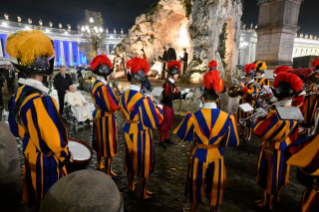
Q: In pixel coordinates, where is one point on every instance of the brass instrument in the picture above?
(315, 130)
(253, 117)
(234, 91)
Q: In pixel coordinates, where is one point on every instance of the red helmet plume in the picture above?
(292, 79)
(139, 64)
(281, 69)
(174, 63)
(302, 73)
(211, 80)
(100, 60)
(315, 63)
(129, 64)
(212, 65)
(249, 67)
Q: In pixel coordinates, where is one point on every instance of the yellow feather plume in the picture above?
(28, 45)
(263, 67)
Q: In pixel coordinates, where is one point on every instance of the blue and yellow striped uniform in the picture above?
(105, 136)
(311, 105)
(45, 142)
(262, 81)
(211, 129)
(141, 116)
(272, 171)
(305, 155)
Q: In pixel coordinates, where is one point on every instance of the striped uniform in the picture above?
(222, 89)
(262, 81)
(45, 142)
(305, 155)
(211, 129)
(141, 116)
(311, 105)
(272, 171)
(248, 91)
(105, 136)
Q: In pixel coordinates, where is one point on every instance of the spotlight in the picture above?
(27, 27)
(47, 31)
(4, 24)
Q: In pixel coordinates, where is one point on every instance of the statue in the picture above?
(107, 31)
(69, 26)
(311, 36)
(19, 19)
(251, 26)
(256, 26)
(60, 25)
(244, 27)
(296, 35)
(114, 31)
(6, 16)
(122, 32)
(40, 22)
(315, 38)
(306, 36)
(301, 35)
(79, 27)
(50, 24)
(30, 21)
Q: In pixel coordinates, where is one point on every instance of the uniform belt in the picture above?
(202, 146)
(132, 121)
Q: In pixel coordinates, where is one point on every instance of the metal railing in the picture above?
(263, 1)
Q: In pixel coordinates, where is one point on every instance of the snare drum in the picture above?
(82, 155)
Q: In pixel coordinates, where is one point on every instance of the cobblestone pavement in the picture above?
(169, 178)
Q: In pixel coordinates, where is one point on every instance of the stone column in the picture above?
(71, 53)
(277, 27)
(1, 53)
(62, 53)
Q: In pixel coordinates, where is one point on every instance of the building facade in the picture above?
(67, 43)
(304, 45)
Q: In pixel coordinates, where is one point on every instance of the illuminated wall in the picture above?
(3, 40)
(57, 49)
(66, 48)
(75, 51)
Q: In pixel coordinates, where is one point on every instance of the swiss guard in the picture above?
(141, 115)
(104, 124)
(212, 65)
(304, 154)
(260, 70)
(211, 130)
(34, 116)
(170, 93)
(248, 91)
(272, 171)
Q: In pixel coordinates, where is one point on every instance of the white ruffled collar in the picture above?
(261, 76)
(102, 79)
(135, 88)
(210, 105)
(35, 84)
(171, 80)
(283, 103)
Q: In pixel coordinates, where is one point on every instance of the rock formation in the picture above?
(202, 33)
(10, 177)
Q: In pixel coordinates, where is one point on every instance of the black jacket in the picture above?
(171, 54)
(61, 83)
(170, 93)
(185, 58)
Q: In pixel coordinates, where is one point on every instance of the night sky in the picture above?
(121, 13)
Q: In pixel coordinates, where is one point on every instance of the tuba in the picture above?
(235, 90)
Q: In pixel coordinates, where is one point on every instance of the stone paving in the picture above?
(169, 178)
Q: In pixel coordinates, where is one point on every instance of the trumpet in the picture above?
(234, 91)
(259, 112)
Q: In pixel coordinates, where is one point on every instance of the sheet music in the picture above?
(185, 91)
(289, 113)
(189, 95)
(246, 107)
(157, 91)
(234, 81)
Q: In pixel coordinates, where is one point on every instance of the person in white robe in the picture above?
(79, 105)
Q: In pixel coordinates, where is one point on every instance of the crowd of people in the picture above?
(35, 118)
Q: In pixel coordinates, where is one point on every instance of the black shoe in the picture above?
(162, 145)
(80, 123)
(116, 178)
(255, 206)
(168, 141)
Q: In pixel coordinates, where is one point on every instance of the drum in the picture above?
(82, 154)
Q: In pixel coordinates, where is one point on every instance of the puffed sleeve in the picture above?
(231, 138)
(46, 128)
(150, 115)
(270, 128)
(185, 130)
(106, 99)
